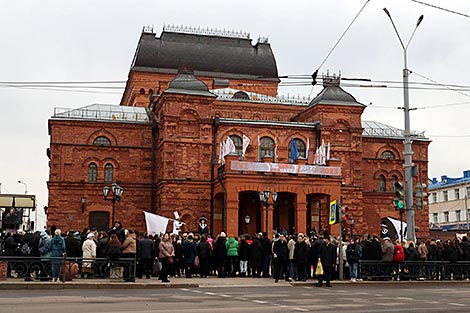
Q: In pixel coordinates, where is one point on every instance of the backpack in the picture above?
(25, 249)
(44, 246)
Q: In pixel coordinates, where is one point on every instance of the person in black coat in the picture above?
(411, 254)
(146, 255)
(301, 254)
(73, 247)
(465, 246)
(244, 252)
(266, 248)
(256, 258)
(118, 230)
(204, 254)
(220, 254)
(281, 258)
(328, 260)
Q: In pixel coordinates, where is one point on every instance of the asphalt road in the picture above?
(452, 297)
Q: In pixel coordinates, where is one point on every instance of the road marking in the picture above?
(456, 304)
(196, 291)
(300, 309)
(210, 293)
(308, 287)
(405, 298)
(260, 302)
(378, 295)
(184, 289)
(225, 296)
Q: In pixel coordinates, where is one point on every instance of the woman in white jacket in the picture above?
(89, 252)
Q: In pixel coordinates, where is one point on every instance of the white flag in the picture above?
(156, 224)
(221, 153)
(246, 143)
(328, 151)
(229, 146)
(177, 227)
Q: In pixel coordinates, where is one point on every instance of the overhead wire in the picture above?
(441, 8)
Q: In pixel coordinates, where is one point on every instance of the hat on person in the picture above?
(203, 218)
(90, 235)
(222, 234)
(386, 238)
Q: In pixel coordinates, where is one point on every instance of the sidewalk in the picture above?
(196, 282)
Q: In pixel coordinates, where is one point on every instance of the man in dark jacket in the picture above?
(146, 255)
(118, 230)
(328, 260)
(266, 248)
(204, 253)
(465, 246)
(281, 258)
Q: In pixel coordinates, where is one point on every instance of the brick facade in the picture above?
(170, 163)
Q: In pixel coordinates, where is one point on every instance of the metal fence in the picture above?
(414, 270)
(39, 268)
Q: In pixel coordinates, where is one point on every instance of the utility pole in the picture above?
(466, 210)
(410, 212)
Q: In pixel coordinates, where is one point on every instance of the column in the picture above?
(232, 218)
(301, 216)
(270, 220)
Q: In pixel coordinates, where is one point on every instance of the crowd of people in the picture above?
(288, 257)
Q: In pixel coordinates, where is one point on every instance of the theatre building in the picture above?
(186, 93)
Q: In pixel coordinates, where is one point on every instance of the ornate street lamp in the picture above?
(264, 199)
(116, 191)
(351, 223)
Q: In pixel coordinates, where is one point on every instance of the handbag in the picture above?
(170, 260)
(319, 270)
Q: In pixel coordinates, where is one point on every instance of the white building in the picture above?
(448, 202)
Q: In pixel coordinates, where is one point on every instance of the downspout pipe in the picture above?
(213, 162)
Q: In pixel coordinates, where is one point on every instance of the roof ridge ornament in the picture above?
(331, 80)
(207, 31)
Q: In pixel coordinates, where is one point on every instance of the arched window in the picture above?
(394, 180)
(388, 155)
(300, 145)
(142, 91)
(102, 141)
(150, 91)
(108, 173)
(237, 141)
(381, 185)
(92, 173)
(266, 147)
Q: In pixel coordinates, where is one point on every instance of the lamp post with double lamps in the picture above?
(116, 191)
(264, 199)
(410, 213)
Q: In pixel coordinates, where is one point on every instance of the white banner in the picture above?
(156, 224)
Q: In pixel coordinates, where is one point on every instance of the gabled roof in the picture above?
(205, 54)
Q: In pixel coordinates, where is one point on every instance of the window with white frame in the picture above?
(458, 217)
(434, 218)
(457, 193)
(446, 216)
(434, 197)
(446, 196)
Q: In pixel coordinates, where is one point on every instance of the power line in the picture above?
(441, 8)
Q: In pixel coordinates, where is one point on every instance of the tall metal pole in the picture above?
(466, 211)
(267, 210)
(410, 213)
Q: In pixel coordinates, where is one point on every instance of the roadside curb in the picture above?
(51, 285)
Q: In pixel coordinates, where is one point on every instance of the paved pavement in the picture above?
(196, 282)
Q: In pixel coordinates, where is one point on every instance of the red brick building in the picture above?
(162, 145)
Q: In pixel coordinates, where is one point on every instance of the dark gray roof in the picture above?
(204, 54)
(333, 94)
(187, 83)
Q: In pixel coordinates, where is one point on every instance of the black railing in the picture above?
(414, 270)
(39, 268)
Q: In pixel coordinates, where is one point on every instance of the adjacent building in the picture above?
(448, 207)
(187, 92)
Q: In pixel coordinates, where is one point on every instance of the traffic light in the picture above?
(344, 214)
(420, 196)
(399, 200)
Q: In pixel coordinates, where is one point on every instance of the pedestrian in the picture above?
(256, 258)
(57, 253)
(189, 255)
(220, 254)
(146, 255)
(204, 253)
(266, 248)
(89, 253)
(166, 255)
(353, 255)
(232, 256)
(280, 258)
(244, 255)
(327, 259)
(387, 250)
(301, 254)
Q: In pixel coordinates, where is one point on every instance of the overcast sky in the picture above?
(83, 40)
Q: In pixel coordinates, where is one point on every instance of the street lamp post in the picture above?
(116, 191)
(264, 199)
(25, 186)
(410, 214)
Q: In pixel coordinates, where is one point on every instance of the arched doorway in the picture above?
(317, 212)
(249, 206)
(284, 212)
